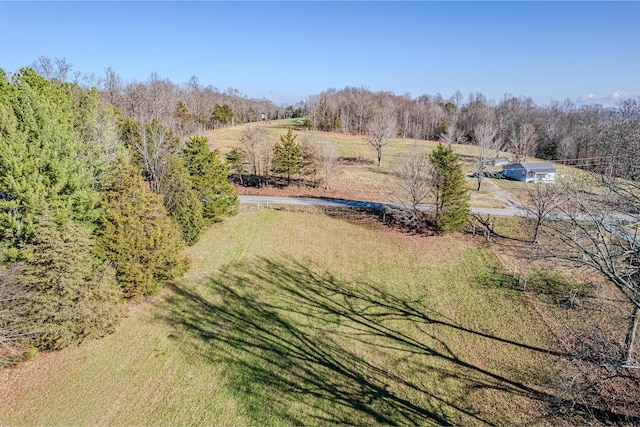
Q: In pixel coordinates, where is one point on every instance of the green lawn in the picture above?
(294, 318)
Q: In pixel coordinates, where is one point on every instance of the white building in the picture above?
(531, 172)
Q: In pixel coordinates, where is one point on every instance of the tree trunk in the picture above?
(536, 232)
(631, 335)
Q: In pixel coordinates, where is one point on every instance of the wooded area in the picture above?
(588, 136)
(95, 206)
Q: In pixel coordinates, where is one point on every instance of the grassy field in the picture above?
(305, 318)
(370, 182)
(357, 181)
(324, 317)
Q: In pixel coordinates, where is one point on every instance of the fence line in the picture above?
(254, 207)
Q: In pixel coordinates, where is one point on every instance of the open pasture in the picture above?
(292, 318)
(363, 179)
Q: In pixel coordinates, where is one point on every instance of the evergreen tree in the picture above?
(67, 294)
(222, 114)
(40, 160)
(181, 201)
(184, 121)
(287, 156)
(209, 175)
(452, 201)
(235, 159)
(136, 234)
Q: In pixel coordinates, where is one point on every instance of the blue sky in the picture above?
(284, 51)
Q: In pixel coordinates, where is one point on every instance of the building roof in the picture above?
(537, 167)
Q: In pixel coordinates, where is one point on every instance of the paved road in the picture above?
(360, 204)
(612, 224)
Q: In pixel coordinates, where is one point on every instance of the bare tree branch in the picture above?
(412, 185)
(15, 332)
(381, 128)
(594, 232)
(485, 138)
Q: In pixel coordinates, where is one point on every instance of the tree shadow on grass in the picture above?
(303, 347)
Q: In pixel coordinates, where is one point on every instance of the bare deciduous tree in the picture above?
(112, 86)
(485, 138)
(475, 112)
(411, 185)
(310, 156)
(319, 156)
(381, 128)
(361, 99)
(520, 141)
(44, 67)
(564, 147)
(329, 161)
(457, 98)
(540, 204)
(258, 148)
(57, 69)
(453, 135)
(15, 332)
(599, 232)
(154, 145)
(63, 68)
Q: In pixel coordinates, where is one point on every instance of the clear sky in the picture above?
(284, 51)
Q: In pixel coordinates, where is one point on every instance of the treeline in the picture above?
(96, 206)
(591, 137)
(187, 108)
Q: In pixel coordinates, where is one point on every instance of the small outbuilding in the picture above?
(534, 172)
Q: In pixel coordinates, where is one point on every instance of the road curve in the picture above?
(360, 204)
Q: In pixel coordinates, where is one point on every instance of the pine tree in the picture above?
(184, 121)
(136, 234)
(235, 159)
(181, 201)
(287, 156)
(452, 201)
(68, 295)
(209, 175)
(40, 160)
(222, 114)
